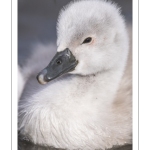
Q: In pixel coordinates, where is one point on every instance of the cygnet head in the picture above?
(91, 38)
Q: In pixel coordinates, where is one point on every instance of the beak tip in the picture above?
(40, 78)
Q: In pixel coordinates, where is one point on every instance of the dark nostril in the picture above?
(58, 62)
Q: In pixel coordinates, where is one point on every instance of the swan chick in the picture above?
(76, 108)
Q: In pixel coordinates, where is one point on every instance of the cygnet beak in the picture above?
(63, 62)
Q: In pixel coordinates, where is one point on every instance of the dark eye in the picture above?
(58, 62)
(87, 40)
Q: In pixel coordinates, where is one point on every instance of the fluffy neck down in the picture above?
(75, 112)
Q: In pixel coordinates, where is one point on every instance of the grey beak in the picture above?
(63, 62)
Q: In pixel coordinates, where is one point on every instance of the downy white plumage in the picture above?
(89, 107)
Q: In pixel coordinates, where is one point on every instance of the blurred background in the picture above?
(37, 24)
